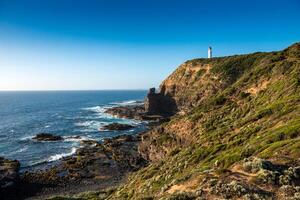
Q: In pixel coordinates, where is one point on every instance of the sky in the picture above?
(130, 44)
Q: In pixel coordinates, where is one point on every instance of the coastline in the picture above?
(93, 166)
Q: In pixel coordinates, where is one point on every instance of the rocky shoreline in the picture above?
(94, 166)
(98, 165)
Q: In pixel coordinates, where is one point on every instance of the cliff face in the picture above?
(236, 134)
(159, 104)
(195, 81)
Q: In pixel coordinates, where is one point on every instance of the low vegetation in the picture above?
(239, 137)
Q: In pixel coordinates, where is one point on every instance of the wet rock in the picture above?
(73, 137)
(101, 163)
(89, 142)
(9, 174)
(117, 127)
(138, 112)
(47, 137)
(131, 112)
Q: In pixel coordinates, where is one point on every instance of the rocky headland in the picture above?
(227, 128)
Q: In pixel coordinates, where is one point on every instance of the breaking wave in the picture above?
(75, 138)
(127, 103)
(62, 155)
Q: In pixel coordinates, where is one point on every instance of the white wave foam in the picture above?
(86, 130)
(127, 103)
(91, 126)
(97, 109)
(62, 155)
(22, 150)
(75, 138)
(27, 138)
(99, 112)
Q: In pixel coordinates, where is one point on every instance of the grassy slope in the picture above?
(256, 113)
(236, 107)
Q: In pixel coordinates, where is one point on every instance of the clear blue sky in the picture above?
(130, 44)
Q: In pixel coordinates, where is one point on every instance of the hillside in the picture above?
(236, 134)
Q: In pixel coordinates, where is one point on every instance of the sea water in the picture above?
(65, 113)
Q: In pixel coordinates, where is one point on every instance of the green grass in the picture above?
(229, 124)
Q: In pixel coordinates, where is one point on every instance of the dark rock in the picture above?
(124, 151)
(117, 127)
(131, 112)
(89, 142)
(47, 137)
(159, 103)
(92, 163)
(9, 175)
(154, 110)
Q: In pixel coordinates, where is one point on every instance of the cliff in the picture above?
(234, 134)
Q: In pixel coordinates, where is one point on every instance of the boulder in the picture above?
(47, 137)
(117, 127)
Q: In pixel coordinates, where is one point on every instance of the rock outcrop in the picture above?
(47, 137)
(117, 127)
(139, 112)
(131, 112)
(104, 165)
(9, 176)
(159, 104)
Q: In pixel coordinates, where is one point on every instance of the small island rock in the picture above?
(47, 137)
(117, 127)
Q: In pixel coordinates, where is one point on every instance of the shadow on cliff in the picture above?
(160, 103)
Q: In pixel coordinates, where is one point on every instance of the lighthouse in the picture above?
(209, 52)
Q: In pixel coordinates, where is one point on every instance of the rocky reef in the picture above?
(132, 112)
(117, 127)
(93, 161)
(139, 112)
(47, 137)
(9, 176)
(95, 165)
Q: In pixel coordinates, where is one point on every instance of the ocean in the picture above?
(64, 113)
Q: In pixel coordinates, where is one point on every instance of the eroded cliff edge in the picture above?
(235, 134)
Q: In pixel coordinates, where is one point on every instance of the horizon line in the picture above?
(71, 90)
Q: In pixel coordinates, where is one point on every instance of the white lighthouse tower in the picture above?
(209, 52)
